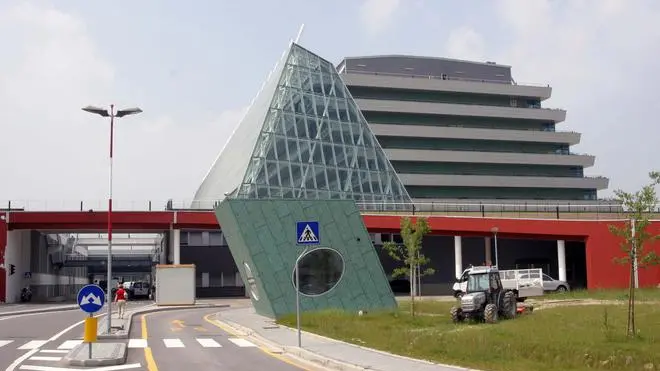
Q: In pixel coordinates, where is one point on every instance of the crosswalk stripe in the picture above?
(241, 342)
(69, 344)
(42, 358)
(173, 343)
(137, 343)
(53, 351)
(5, 342)
(32, 344)
(208, 343)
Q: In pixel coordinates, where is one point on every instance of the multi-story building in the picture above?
(465, 130)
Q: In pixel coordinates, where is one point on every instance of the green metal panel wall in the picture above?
(263, 234)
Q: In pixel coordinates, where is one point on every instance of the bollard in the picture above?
(91, 328)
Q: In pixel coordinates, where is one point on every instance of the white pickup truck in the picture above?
(524, 282)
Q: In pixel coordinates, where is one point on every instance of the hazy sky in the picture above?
(193, 67)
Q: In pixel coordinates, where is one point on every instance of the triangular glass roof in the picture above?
(315, 143)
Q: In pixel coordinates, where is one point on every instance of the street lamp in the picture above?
(112, 114)
(497, 260)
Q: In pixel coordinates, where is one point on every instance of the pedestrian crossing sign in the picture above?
(307, 233)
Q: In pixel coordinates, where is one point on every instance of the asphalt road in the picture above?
(40, 338)
(188, 340)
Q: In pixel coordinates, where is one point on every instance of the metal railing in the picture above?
(433, 77)
(601, 209)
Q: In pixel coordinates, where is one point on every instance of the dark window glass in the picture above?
(320, 271)
(252, 283)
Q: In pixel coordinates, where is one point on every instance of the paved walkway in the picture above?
(363, 358)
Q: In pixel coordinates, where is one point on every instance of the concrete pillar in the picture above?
(487, 253)
(176, 246)
(17, 256)
(458, 255)
(561, 259)
(3, 245)
(378, 239)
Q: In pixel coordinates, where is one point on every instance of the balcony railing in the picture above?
(445, 77)
(597, 209)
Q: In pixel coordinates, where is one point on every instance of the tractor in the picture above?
(485, 298)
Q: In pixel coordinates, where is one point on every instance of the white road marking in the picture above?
(241, 342)
(208, 343)
(21, 359)
(173, 343)
(32, 344)
(107, 368)
(5, 342)
(44, 358)
(137, 343)
(62, 351)
(69, 344)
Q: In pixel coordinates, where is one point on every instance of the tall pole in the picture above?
(298, 301)
(634, 254)
(497, 259)
(109, 280)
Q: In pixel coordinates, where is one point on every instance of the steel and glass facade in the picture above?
(465, 130)
(304, 137)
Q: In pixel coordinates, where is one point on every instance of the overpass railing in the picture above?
(602, 209)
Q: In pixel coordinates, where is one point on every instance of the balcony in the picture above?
(540, 114)
(451, 180)
(444, 83)
(489, 157)
(422, 131)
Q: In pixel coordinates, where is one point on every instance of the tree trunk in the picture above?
(412, 292)
(631, 295)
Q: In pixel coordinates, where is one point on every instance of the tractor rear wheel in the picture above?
(490, 313)
(456, 315)
(509, 305)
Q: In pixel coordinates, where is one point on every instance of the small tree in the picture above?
(638, 206)
(409, 253)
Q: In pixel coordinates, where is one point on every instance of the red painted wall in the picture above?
(601, 246)
(3, 246)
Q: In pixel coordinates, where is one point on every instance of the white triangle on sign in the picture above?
(307, 235)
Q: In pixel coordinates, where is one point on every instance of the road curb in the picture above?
(126, 333)
(303, 354)
(324, 361)
(36, 311)
(71, 360)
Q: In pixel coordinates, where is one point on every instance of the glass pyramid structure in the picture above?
(304, 137)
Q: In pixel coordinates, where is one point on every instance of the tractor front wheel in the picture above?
(456, 315)
(490, 313)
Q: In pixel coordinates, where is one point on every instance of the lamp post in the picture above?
(112, 114)
(497, 259)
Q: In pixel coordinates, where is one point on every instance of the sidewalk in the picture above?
(16, 309)
(350, 357)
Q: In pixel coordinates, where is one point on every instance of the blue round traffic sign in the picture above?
(91, 298)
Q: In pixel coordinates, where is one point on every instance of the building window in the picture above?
(252, 283)
(320, 271)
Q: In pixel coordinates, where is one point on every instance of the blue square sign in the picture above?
(307, 233)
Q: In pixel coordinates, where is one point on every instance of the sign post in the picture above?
(307, 233)
(90, 300)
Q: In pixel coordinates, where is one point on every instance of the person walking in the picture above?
(120, 300)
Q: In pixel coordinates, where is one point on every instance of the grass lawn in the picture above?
(646, 294)
(564, 338)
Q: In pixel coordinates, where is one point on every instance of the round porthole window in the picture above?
(252, 283)
(320, 271)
